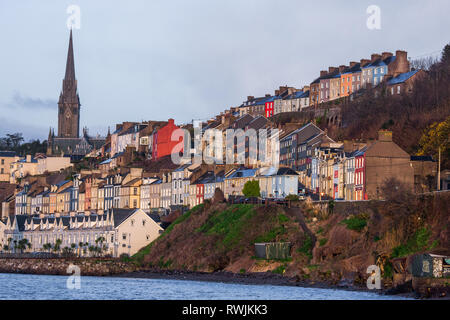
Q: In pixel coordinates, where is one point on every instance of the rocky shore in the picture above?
(117, 268)
(59, 266)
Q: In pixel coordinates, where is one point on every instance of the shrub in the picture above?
(418, 242)
(307, 246)
(322, 241)
(292, 197)
(251, 189)
(355, 223)
(280, 269)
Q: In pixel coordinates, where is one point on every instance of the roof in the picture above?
(7, 154)
(120, 215)
(132, 182)
(242, 173)
(273, 171)
(421, 158)
(402, 77)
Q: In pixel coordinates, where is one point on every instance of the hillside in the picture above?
(333, 246)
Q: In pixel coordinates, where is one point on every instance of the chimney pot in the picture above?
(385, 55)
(364, 62)
(323, 73)
(374, 57)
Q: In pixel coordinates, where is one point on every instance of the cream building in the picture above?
(125, 231)
(6, 159)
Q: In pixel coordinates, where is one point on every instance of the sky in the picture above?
(153, 60)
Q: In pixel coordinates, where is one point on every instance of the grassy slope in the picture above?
(222, 237)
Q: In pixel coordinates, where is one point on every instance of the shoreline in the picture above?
(263, 278)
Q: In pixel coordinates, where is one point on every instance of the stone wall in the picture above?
(88, 266)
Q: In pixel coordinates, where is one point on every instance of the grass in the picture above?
(138, 257)
(418, 242)
(271, 235)
(282, 218)
(388, 270)
(355, 223)
(307, 246)
(229, 223)
(279, 270)
(323, 241)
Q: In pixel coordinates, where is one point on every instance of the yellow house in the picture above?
(130, 194)
(6, 158)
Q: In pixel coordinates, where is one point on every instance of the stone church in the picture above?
(68, 140)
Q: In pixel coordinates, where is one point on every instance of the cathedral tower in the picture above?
(69, 101)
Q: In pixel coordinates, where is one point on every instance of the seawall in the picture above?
(58, 266)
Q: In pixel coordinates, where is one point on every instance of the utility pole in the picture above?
(439, 171)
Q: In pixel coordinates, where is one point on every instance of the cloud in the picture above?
(22, 101)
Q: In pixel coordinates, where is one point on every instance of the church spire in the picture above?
(70, 65)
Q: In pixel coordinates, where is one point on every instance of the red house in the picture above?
(360, 176)
(268, 108)
(200, 193)
(162, 142)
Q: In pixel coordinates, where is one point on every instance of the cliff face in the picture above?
(335, 244)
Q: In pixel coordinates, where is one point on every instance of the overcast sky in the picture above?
(188, 59)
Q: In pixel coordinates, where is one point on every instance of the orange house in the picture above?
(346, 84)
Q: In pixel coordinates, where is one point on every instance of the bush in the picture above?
(322, 241)
(355, 223)
(307, 246)
(279, 270)
(251, 189)
(418, 242)
(292, 197)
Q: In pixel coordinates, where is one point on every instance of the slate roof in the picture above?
(7, 154)
(401, 78)
(120, 215)
(242, 173)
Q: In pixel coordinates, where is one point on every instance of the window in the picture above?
(398, 89)
(124, 236)
(143, 223)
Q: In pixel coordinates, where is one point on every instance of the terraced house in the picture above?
(118, 231)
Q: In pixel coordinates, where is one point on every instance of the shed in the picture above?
(430, 265)
(273, 250)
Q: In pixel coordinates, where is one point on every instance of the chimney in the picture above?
(28, 157)
(385, 135)
(352, 64)
(332, 69)
(385, 55)
(364, 62)
(305, 88)
(277, 92)
(250, 98)
(268, 95)
(323, 73)
(374, 57)
(401, 63)
(342, 68)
